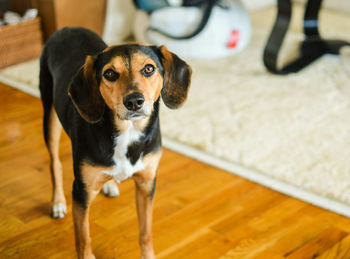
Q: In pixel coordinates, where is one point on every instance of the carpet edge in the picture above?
(19, 85)
(259, 178)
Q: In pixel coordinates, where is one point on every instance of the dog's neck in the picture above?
(125, 125)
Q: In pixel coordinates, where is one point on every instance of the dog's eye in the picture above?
(111, 75)
(148, 70)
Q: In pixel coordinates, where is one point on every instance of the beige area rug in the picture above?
(290, 133)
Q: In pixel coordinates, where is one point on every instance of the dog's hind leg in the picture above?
(52, 132)
(54, 129)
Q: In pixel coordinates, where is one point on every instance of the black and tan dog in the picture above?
(107, 100)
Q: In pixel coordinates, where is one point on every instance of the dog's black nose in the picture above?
(134, 101)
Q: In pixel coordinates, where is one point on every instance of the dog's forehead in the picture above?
(128, 52)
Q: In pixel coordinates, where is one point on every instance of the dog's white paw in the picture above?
(58, 210)
(110, 189)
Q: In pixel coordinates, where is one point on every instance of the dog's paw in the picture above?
(58, 210)
(110, 189)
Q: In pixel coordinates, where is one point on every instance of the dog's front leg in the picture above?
(144, 191)
(85, 188)
(82, 231)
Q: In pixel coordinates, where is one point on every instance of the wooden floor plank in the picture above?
(340, 250)
(197, 246)
(298, 235)
(319, 245)
(200, 211)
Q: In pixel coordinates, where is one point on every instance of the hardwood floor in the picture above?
(200, 211)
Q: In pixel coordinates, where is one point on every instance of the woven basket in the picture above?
(20, 42)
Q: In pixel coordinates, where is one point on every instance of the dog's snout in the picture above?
(134, 101)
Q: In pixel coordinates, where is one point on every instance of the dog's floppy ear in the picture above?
(85, 94)
(177, 79)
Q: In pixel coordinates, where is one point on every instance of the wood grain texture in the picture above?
(199, 211)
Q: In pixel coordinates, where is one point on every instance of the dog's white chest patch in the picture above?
(123, 169)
